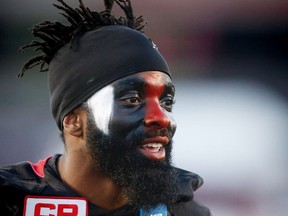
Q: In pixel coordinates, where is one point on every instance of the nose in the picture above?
(155, 116)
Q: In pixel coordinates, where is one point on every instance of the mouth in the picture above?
(154, 148)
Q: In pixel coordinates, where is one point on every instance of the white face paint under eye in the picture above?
(101, 105)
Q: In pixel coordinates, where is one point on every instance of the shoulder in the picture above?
(11, 173)
(14, 183)
(23, 175)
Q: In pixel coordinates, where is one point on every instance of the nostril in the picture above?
(151, 123)
(161, 122)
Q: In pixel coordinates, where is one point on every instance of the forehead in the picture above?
(153, 78)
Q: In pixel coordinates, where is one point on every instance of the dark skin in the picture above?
(142, 109)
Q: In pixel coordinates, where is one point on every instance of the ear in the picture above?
(73, 123)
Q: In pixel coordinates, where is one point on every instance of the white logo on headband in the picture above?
(153, 44)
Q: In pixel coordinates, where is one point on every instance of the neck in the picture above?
(79, 172)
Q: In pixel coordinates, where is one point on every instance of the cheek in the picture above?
(101, 105)
(125, 122)
(173, 125)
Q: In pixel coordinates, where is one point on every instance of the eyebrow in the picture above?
(123, 86)
(170, 86)
(130, 82)
(138, 83)
(169, 89)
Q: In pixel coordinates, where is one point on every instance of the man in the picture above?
(112, 98)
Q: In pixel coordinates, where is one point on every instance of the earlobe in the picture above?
(73, 124)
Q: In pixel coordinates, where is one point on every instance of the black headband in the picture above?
(95, 60)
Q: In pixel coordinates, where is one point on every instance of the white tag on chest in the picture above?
(55, 206)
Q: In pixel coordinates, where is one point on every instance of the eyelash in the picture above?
(170, 106)
(127, 99)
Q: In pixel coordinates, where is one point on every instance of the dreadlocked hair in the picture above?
(54, 35)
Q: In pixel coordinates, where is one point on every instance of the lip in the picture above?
(159, 139)
(154, 153)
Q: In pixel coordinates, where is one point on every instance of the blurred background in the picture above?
(230, 62)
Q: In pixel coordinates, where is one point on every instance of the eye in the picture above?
(131, 100)
(167, 103)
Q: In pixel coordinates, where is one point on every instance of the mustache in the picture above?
(135, 141)
(164, 132)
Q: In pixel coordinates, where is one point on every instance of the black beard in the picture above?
(146, 183)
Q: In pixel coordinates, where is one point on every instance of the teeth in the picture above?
(157, 146)
(154, 145)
